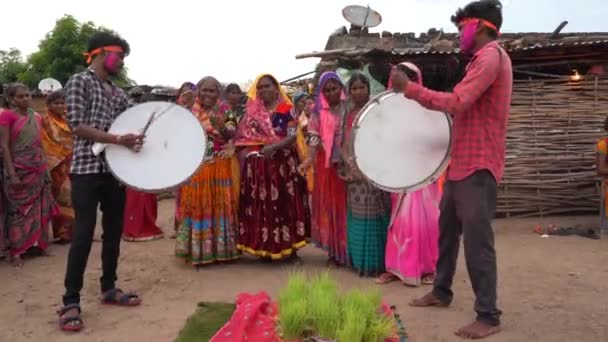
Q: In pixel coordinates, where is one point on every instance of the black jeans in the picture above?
(467, 208)
(88, 192)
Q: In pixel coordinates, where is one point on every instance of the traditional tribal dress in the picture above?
(602, 149)
(208, 204)
(368, 217)
(273, 210)
(139, 221)
(329, 194)
(30, 207)
(412, 246)
(57, 144)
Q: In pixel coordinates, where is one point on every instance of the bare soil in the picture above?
(551, 289)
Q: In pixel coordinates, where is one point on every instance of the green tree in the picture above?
(60, 53)
(11, 65)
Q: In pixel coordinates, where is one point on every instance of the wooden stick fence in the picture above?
(550, 158)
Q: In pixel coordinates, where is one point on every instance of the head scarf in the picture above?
(255, 128)
(298, 96)
(327, 121)
(204, 116)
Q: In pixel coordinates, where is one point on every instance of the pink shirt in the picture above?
(480, 106)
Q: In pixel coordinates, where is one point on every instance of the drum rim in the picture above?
(375, 100)
(160, 190)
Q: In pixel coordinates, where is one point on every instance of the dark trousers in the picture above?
(467, 208)
(89, 192)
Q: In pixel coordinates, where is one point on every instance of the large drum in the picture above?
(173, 149)
(398, 145)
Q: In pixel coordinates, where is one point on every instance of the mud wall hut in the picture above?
(560, 101)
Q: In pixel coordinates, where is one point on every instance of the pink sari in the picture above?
(30, 207)
(412, 242)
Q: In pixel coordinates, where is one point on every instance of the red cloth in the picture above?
(480, 106)
(140, 217)
(253, 320)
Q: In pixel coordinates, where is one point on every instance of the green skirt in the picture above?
(368, 220)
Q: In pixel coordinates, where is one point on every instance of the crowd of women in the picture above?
(278, 175)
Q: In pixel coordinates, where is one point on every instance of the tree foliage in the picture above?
(60, 53)
(11, 65)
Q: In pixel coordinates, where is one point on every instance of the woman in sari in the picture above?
(26, 181)
(57, 144)
(602, 171)
(301, 113)
(412, 241)
(368, 207)
(273, 209)
(329, 194)
(139, 220)
(185, 98)
(234, 98)
(209, 222)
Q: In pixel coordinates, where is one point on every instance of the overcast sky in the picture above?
(234, 40)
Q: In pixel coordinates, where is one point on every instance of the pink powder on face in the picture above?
(467, 36)
(111, 63)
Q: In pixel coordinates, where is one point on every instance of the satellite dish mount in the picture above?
(360, 17)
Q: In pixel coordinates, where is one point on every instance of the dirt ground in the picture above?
(552, 289)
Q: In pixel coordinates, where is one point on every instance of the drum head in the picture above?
(173, 150)
(399, 145)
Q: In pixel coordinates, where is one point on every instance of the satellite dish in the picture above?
(49, 85)
(361, 16)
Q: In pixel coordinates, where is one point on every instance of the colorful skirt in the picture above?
(368, 220)
(62, 191)
(141, 210)
(4, 245)
(27, 225)
(209, 216)
(177, 220)
(412, 246)
(273, 212)
(329, 212)
(603, 207)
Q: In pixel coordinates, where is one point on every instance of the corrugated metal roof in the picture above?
(547, 45)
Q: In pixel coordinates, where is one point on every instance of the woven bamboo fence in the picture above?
(550, 156)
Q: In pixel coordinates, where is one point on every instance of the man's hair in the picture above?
(489, 10)
(103, 38)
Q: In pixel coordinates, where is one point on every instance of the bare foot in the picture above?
(428, 279)
(477, 330)
(17, 261)
(386, 278)
(428, 299)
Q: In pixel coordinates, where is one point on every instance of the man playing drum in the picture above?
(480, 106)
(93, 103)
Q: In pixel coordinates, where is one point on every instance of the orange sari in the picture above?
(57, 144)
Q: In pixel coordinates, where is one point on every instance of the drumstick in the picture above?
(154, 117)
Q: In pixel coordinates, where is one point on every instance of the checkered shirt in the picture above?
(88, 104)
(480, 106)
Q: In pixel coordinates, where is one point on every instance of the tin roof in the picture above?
(344, 45)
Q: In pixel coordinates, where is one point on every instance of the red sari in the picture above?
(329, 193)
(30, 207)
(140, 217)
